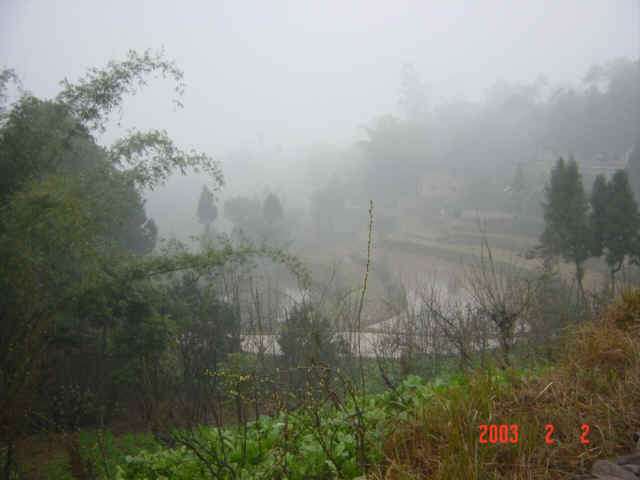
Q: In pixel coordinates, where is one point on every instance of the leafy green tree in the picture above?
(7, 76)
(71, 221)
(566, 231)
(40, 137)
(209, 327)
(76, 276)
(272, 209)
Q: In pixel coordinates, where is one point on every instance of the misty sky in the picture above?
(275, 77)
(300, 72)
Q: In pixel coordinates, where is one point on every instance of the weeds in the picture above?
(427, 430)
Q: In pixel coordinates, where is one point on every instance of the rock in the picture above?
(627, 459)
(635, 469)
(606, 468)
(607, 477)
(625, 467)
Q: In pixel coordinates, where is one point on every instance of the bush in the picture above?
(70, 407)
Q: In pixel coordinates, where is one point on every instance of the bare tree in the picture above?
(503, 293)
(455, 322)
(410, 337)
(432, 325)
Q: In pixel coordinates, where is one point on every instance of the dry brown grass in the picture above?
(597, 384)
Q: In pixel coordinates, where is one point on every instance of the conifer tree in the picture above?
(615, 220)
(566, 231)
(598, 217)
(272, 209)
(207, 210)
(633, 168)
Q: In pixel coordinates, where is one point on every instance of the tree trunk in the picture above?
(613, 283)
(506, 350)
(579, 278)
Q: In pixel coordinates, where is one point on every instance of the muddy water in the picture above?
(375, 334)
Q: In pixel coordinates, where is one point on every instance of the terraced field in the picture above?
(439, 249)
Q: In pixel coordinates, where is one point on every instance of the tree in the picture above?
(306, 337)
(615, 220)
(71, 221)
(395, 158)
(599, 200)
(566, 232)
(413, 96)
(241, 210)
(519, 183)
(272, 209)
(7, 75)
(207, 210)
(76, 283)
(633, 168)
(601, 118)
(245, 214)
(209, 329)
(456, 323)
(40, 137)
(502, 294)
(518, 191)
(327, 208)
(624, 222)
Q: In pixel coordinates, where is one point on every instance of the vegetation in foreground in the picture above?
(425, 429)
(99, 325)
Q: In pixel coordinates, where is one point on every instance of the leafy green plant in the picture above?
(315, 441)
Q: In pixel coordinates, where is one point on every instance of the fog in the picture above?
(414, 191)
(286, 74)
(282, 93)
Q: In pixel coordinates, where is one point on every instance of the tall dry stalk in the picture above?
(364, 291)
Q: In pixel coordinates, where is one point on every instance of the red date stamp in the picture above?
(499, 433)
(509, 433)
